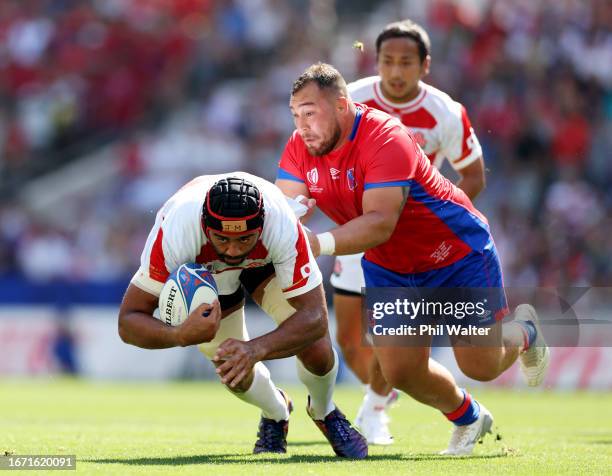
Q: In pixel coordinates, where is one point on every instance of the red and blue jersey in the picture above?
(438, 226)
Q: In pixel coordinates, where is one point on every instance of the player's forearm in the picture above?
(472, 180)
(364, 232)
(293, 335)
(472, 186)
(143, 330)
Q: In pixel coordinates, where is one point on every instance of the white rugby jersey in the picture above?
(178, 237)
(439, 124)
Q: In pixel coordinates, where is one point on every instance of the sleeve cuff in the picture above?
(144, 282)
(312, 282)
(467, 160)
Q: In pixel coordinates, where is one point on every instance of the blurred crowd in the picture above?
(534, 75)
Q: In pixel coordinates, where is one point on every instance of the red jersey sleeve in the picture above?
(290, 167)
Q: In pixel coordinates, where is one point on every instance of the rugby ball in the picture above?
(185, 289)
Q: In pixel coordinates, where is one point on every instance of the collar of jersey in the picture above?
(381, 99)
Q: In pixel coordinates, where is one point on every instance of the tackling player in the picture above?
(239, 224)
(367, 173)
(443, 130)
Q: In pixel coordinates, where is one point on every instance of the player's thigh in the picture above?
(402, 364)
(479, 351)
(232, 326)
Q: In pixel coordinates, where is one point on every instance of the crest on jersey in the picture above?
(350, 178)
(313, 176)
(335, 173)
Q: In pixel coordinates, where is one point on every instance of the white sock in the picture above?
(373, 402)
(320, 388)
(264, 394)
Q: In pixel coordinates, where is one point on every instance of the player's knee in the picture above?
(318, 358)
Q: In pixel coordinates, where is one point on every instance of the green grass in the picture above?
(197, 428)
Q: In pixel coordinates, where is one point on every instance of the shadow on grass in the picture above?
(306, 443)
(239, 458)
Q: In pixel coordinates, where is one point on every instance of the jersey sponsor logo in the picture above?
(335, 173)
(350, 178)
(313, 176)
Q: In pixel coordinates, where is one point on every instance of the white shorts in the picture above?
(348, 274)
(274, 304)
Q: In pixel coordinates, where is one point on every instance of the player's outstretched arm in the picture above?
(382, 208)
(138, 327)
(291, 188)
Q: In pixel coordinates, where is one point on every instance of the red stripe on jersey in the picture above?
(372, 103)
(378, 96)
(157, 263)
(301, 269)
(420, 118)
(467, 132)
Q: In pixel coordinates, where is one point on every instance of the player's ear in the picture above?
(342, 104)
(425, 66)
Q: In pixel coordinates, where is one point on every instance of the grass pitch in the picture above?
(197, 428)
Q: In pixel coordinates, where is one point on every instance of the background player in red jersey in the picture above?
(367, 173)
(443, 130)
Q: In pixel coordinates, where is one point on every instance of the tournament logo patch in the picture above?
(350, 178)
(313, 176)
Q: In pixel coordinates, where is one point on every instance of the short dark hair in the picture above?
(406, 29)
(324, 75)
